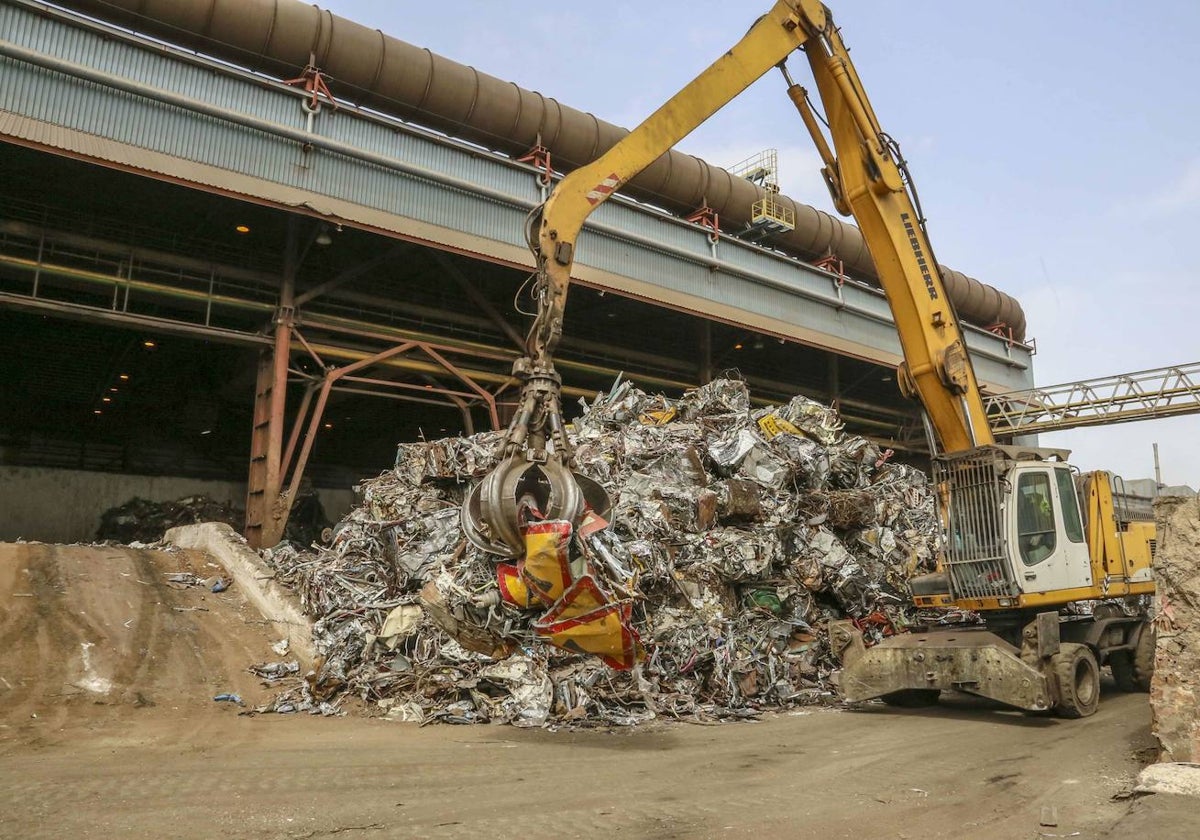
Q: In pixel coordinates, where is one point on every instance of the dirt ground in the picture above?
(108, 729)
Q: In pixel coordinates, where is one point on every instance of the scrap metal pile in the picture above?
(141, 520)
(736, 535)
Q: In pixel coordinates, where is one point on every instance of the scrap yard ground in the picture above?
(130, 744)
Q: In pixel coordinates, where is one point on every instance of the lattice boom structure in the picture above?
(1164, 392)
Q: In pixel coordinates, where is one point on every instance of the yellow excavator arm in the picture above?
(867, 179)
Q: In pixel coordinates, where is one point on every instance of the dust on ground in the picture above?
(128, 742)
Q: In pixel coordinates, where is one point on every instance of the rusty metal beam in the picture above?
(273, 529)
(298, 423)
(266, 511)
(365, 392)
(332, 375)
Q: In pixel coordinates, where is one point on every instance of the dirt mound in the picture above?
(91, 633)
(1175, 692)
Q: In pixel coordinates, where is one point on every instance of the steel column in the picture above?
(266, 511)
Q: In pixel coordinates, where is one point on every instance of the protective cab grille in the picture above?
(972, 484)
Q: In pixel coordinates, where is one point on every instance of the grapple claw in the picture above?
(498, 506)
(534, 475)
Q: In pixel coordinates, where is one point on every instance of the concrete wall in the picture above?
(64, 506)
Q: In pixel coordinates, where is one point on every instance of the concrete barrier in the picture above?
(254, 579)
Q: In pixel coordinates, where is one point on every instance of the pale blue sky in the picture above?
(1056, 146)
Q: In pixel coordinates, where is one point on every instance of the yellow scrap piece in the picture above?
(546, 569)
(585, 620)
(658, 417)
(773, 425)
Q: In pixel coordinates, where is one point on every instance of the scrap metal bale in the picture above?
(738, 500)
(841, 509)
(720, 396)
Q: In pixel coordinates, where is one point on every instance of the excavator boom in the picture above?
(868, 178)
(865, 176)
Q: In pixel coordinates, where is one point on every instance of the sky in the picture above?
(1056, 147)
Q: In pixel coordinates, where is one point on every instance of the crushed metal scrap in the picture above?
(736, 535)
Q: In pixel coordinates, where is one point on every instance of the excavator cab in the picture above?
(1017, 536)
(1003, 521)
(1014, 528)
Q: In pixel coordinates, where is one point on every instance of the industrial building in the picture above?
(198, 235)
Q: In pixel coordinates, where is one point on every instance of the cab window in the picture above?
(1069, 500)
(1035, 517)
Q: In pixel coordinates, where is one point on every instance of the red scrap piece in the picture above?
(875, 619)
(706, 217)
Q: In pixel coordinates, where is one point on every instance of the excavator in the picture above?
(1029, 540)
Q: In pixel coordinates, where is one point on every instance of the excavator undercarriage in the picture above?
(1055, 666)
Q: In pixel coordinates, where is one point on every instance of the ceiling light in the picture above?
(242, 229)
(149, 344)
(328, 425)
(429, 387)
(124, 377)
(758, 343)
(112, 390)
(97, 411)
(323, 237)
(207, 432)
(737, 346)
(106, 399)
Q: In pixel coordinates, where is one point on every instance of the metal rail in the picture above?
(1163, 392)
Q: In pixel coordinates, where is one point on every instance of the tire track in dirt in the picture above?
(91, 633)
